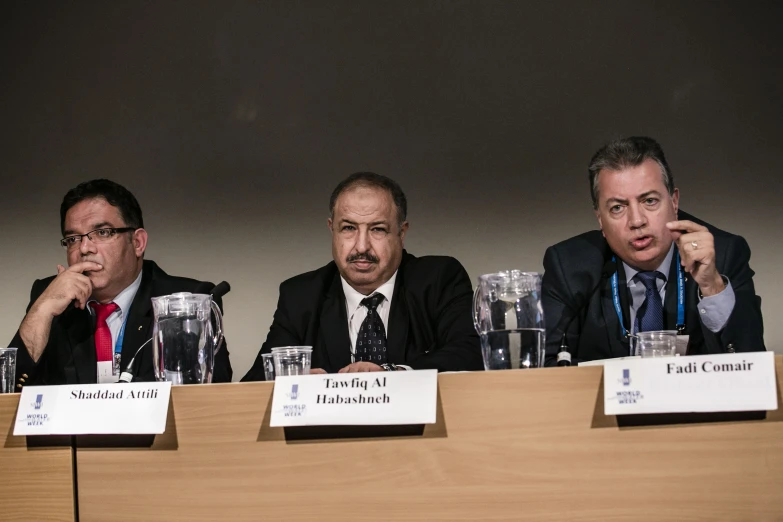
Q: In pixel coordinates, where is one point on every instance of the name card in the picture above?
(138, 408)
(699, 383)
(350, 399)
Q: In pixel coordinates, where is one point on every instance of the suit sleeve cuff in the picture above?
(714, 310)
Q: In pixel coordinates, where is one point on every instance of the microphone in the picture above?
(128, 374)
(564, 354)
(220, 290)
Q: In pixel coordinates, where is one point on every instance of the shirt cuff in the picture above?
(405, 366)
(715, 310)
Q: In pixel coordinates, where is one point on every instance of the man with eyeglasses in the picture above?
(85, 324)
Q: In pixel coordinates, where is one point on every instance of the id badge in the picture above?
(106, 372)
(117, 365)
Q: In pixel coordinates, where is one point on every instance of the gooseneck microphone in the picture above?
(218, 291)
(128, 374)
(564, 354)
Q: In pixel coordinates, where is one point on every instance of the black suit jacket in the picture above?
(430, 325)
(577, 290)
(69, 356)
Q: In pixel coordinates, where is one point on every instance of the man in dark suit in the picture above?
(376, 307)
(650, 267)
(85, 324)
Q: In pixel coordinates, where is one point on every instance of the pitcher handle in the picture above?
(218, 337)
(476, 309)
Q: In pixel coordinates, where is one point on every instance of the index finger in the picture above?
(84, 266)
(685, 226)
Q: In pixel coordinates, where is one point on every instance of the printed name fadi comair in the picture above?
(708, 367)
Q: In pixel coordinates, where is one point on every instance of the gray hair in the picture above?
(624, 153)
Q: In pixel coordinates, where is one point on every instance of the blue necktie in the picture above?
(649, 317)
(371, 341)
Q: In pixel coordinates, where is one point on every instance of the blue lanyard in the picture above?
(680, 299)
(120, 337)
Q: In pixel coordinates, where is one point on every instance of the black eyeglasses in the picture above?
(99, 235)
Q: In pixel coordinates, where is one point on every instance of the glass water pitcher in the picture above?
(184, 338)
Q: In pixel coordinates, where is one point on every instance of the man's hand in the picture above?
(363, 366)
(70, 285)
(697, 255)
(317, 371)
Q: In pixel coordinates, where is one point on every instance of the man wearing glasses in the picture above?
(85, 324)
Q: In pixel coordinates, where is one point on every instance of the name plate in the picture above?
(699, 383)
(351, 399)
(138, 408)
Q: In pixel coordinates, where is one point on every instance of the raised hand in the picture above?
(697, 255)
(70, 286)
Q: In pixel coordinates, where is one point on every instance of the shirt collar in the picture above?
(353, 299)
(124, 299)
(663, 268)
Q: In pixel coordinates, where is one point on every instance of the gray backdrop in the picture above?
(233, 121)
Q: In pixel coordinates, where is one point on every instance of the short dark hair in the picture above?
(115, 195)
(628, 152)
(371, 179)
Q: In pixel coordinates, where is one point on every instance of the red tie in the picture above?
(103, 347)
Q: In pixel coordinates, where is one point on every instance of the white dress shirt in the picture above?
(356, 312)
(124, 300)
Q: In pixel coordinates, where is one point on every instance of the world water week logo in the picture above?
(37, 419)
(294, 410)
(626, 396)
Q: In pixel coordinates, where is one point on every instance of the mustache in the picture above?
(362, 257)
(92, 259)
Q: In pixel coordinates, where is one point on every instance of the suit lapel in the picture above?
(618, 344)
(397, 334)
(334, 328)
(138, 325)
(80, 327)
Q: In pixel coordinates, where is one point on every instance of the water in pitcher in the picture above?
(183, 340)
(513, 349)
